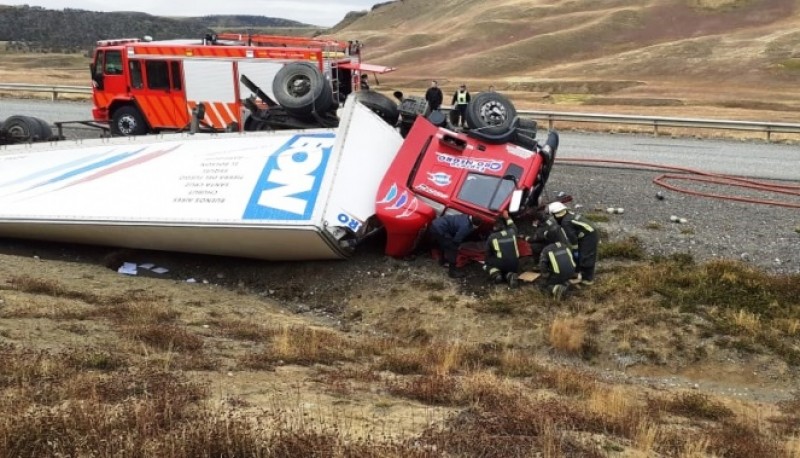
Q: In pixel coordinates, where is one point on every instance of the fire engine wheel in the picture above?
(127, 120)
(22, 129)
(383, 106)
(491, 113)
(300, 88)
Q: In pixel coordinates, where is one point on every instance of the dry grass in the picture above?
(567, 334)
(303, 346)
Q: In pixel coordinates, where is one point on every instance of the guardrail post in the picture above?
(655, 128)
(55, 95)
(550, 122)
(769, 135)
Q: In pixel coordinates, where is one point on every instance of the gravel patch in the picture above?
(765, 236)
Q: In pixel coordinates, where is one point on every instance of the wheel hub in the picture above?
(299, 87)
(493, 113)
(127, 124)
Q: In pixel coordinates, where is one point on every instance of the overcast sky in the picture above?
(317, 12)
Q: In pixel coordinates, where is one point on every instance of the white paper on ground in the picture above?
(128, 268)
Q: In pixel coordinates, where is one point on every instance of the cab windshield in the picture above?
(485, 191)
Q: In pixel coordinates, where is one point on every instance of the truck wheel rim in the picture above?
(126, 124)
(18, 133)
(493, 113)
(299, 86)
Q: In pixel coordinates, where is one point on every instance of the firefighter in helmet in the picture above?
(583, 239)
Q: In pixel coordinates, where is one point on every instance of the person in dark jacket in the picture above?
(557, 267)
(449, 231)
(364, 83)
(460, 101)
(434, 96)
(502, 252)
(583, 239)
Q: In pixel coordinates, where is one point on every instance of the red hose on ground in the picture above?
(706, 177)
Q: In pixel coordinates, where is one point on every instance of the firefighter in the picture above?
(502, 252)
(583, 239)
(557, 268)
(460, 101)
(449, 231)
(546, 231)
(434, 96)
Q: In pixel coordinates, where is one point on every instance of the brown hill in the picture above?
(660, 53)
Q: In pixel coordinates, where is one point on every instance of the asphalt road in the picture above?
(750, 159)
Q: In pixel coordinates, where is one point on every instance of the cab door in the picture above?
(157, 86)
(108, 78)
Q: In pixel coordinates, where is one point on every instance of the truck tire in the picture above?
(491, 113)
(45, 131)
(383, 106)
(20, 129)
(126, 121)
(300, 88)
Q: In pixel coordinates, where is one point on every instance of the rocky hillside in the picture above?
(613, 46)
(29, 28)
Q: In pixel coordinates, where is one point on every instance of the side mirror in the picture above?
(516, 201)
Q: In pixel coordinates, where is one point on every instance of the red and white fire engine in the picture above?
(143, 86)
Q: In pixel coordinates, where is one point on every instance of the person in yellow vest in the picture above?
(460, 101)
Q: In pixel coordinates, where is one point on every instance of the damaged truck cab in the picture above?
(440, 171)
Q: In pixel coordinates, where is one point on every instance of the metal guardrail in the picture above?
(768, 128)
(53, 89)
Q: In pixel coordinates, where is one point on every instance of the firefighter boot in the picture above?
(455, 272)
(558, 292)
(496, 277)
(513, 279)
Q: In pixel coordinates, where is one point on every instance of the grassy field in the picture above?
(94, 364)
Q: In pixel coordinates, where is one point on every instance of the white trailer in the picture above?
(285, 195)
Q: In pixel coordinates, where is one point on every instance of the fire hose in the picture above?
(689, 174)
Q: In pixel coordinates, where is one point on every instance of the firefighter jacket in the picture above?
(502, 244)
(556, 261)
(549, 231)
(576, 227)
(454, 227)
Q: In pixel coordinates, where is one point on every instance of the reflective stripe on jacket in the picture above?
(576, 228)
(503, 244)
(557, 258)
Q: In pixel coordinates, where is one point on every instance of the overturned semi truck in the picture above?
(276, 195)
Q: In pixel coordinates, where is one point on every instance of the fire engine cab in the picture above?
(142, 86)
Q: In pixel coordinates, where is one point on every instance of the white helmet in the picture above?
(557, 208)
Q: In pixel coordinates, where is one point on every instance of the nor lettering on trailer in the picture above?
(288, 187)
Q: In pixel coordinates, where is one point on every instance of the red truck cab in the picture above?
(438, 171)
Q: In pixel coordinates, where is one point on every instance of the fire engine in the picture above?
(143, 86)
